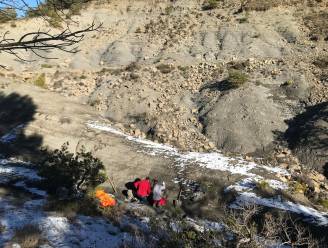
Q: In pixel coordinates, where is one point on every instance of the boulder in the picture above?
(307, 136)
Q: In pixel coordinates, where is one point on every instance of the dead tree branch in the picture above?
(40, 42)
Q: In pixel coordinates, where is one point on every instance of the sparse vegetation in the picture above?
(318, 25)
(262, 184)
(250, 224)
(7, 14)
(40, 81)
(69, 208)
(94, 102)
(168, 10)
(210, 4)
(28, 236)
(237, 78)
(288, 83)
(52, 10)
(74, 172)
(46, 66)
(324, 203)
(2, 228)
(65, 120)
(165, 68)
(298, 187)
(189, 238)
(321, 62)
(256, 5)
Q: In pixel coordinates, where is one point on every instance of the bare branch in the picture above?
(38, 41)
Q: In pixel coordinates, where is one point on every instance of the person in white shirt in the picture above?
(158, 192)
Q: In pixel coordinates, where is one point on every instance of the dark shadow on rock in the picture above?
(224, 85)
(307, 136)
(16, 111)
(325, 170)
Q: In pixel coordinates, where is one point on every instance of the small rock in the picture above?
(280, 155)
(316, 176)
(137, 132)
(194, 110)
(294, 167)
(119, 126)
(211, 145)
(283, 165)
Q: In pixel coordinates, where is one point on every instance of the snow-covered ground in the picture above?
(218, 161)
(83, 231)
(58, 231)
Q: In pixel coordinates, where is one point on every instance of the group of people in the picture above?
(145, 192)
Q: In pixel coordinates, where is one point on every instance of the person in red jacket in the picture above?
(143, 189)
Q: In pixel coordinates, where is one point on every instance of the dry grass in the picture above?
(28, 236)
(264, 5)
(321, 62)
(318, 24)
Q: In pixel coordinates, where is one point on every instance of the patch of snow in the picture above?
(12, 135)
(214, 160)
(246, 196)
(31, 189)
(311, 215)
(17, 171)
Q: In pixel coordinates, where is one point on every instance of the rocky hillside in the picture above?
(224, 100)
(241, 77)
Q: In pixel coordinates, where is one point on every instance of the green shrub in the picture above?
(324, 203)
(168, 10)
(321, 62)
(298, 187)
(317, 24)
(189, 238)
(7, 14)
(46, 66)
(75, 172)
(40, 81)
(237, 78)
(210, 4)
(164, 68)
(262, 185)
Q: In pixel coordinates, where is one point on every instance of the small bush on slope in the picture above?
(211, 4)
(40, 81)
(317, 24)
(7, 14)
(237, 78)
(76, 173)
(28, 236)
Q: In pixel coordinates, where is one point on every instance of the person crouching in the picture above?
(143, 189)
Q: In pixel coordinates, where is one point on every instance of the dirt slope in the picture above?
(160, 69)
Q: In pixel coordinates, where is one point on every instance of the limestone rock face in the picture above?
(243, 120)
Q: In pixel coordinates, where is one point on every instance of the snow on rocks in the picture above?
(246, 196)
(218, 161)
(84, 232)
(12, 168)
(214, 160)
